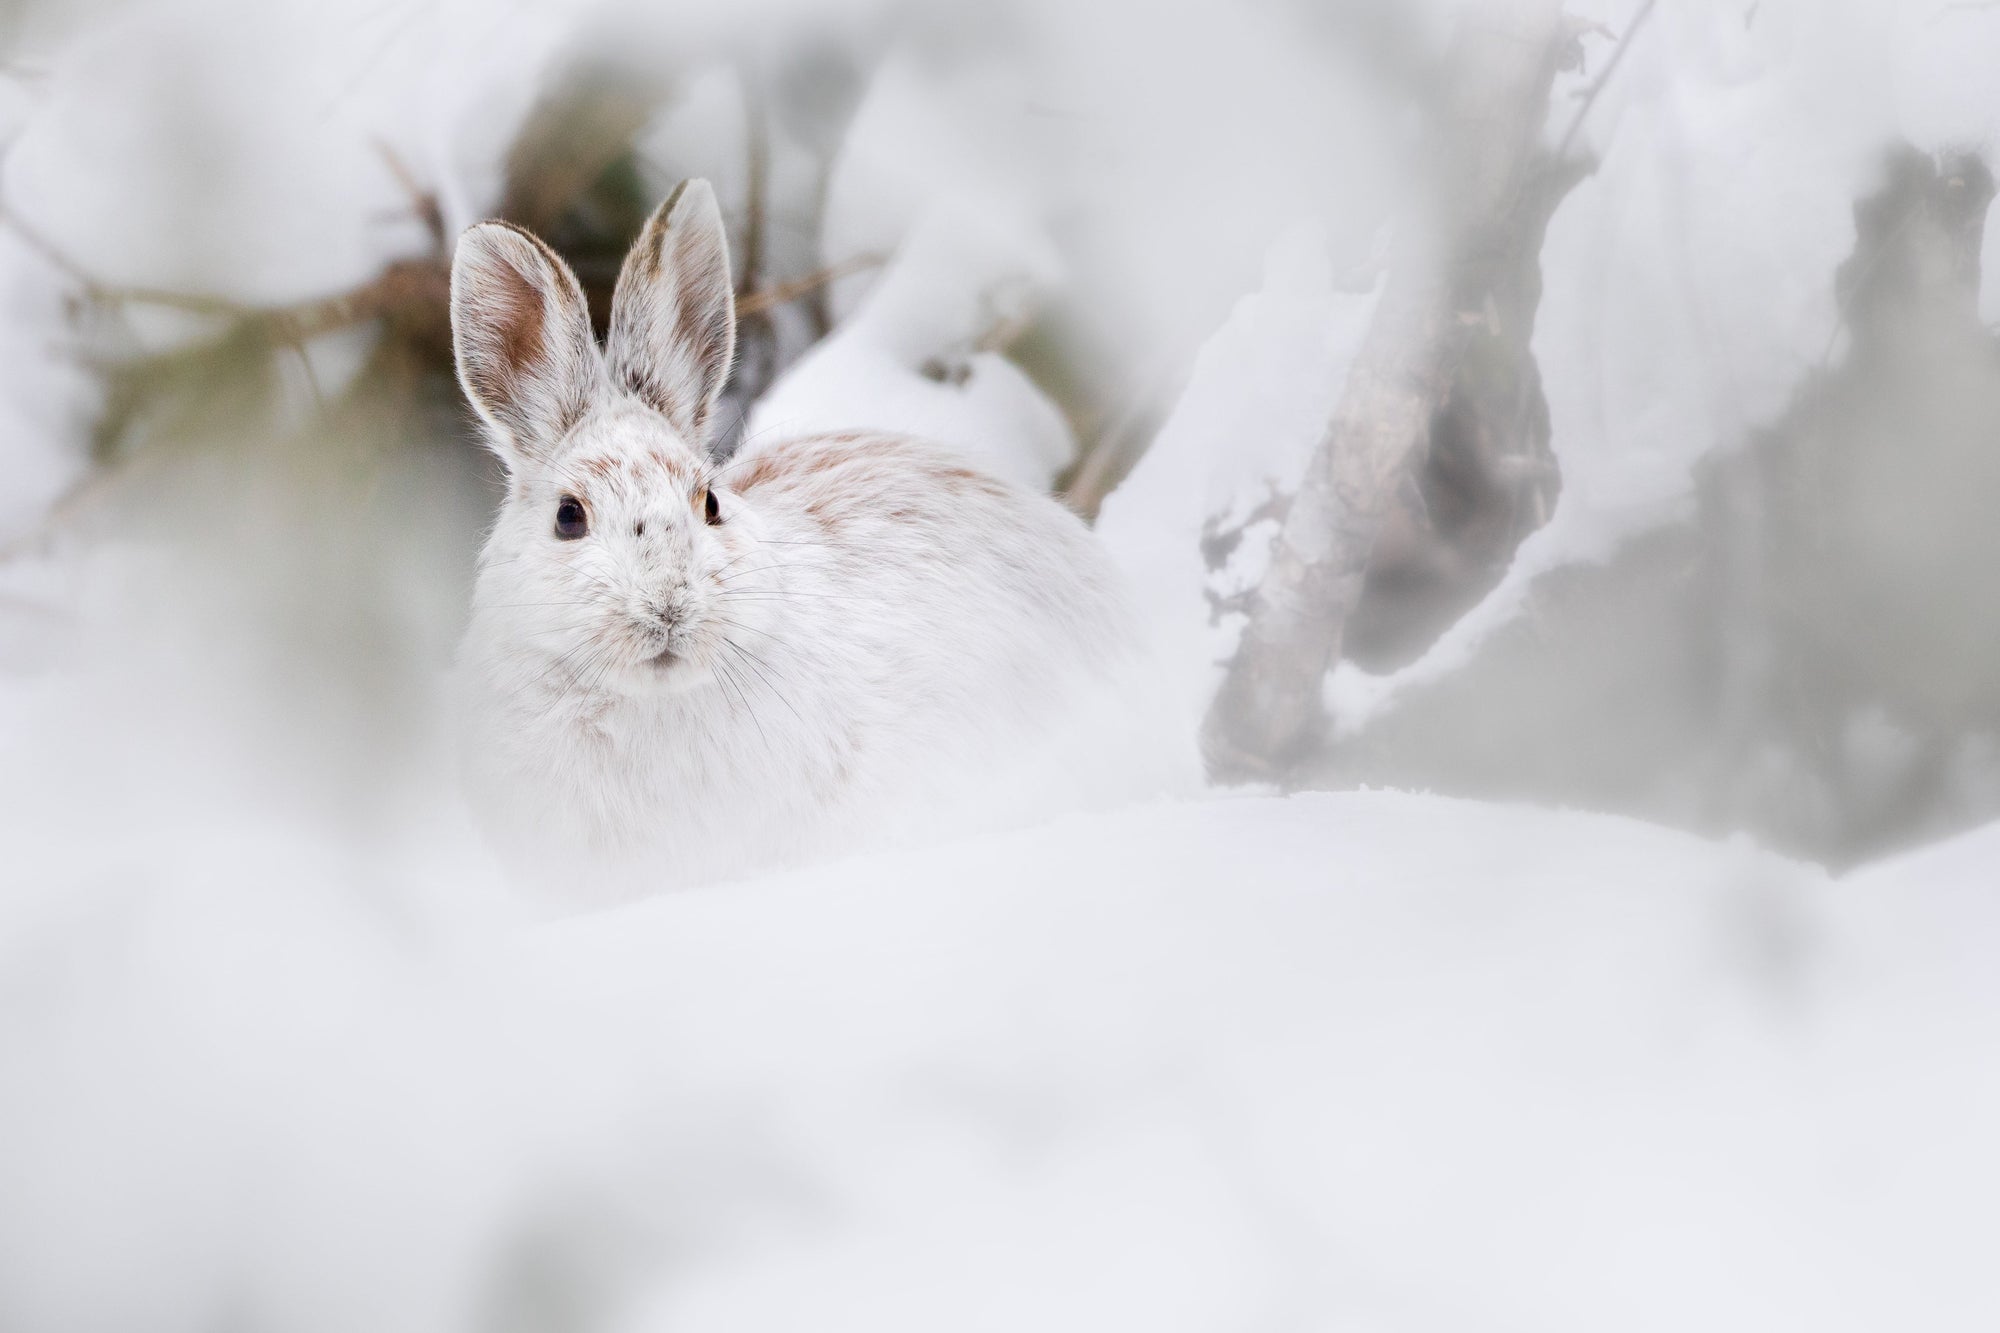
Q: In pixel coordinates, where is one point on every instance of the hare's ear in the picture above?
(521, 333)
(673, 316)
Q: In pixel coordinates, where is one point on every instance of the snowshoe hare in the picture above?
(679, 669)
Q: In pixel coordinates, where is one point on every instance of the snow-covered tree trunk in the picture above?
(1269, 712)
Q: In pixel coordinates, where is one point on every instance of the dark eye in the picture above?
(710, 510)
(571, 520)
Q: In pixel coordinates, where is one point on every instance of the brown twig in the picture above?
(423, 202)
(784, 293)
(757, 143)
(571, 140)
(194, 303)
(1117, 448)
(33, 238)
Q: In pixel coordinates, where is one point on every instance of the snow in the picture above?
(1364, 1061)
(1689, 283)
(291, 202)
(1254, 407)
(38, 417)
(280, 1049)
(908, 359)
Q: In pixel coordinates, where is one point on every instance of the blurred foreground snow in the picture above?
(1368, 1062)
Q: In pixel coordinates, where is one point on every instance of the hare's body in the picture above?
(901, 625)
(678, 669)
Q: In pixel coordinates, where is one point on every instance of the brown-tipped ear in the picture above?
(673, 315)
(521, 334)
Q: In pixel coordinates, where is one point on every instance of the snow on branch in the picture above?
(1269, 712)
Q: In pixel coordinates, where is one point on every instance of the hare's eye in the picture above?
(710, 509)
(571, 521)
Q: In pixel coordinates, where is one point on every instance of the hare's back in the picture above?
(911, 510)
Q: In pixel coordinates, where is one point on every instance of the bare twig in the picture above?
(95, 289)
(1592, 93)
(1117, 448)
(423, 202)
(1004, 332)
(92, 287)
(570, 141)
(757, 142)
(311, 376)
(783, 293)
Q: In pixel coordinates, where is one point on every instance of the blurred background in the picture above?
(1688, 530)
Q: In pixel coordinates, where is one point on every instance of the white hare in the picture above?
(676, 669)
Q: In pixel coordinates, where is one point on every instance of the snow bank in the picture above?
(1366, 1061)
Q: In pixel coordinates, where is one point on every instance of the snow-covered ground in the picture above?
(1344, 1062)
(278, 1051)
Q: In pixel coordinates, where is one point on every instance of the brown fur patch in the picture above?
(823, 510)
(521, 342)
(516, 305)
(837, 480)
(519, 346)
(961, 478)
(760, 471)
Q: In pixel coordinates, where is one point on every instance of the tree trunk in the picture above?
(1269, 712)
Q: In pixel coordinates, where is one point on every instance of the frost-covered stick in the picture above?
(1269, 711)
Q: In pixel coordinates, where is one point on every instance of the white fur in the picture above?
(866, 638)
